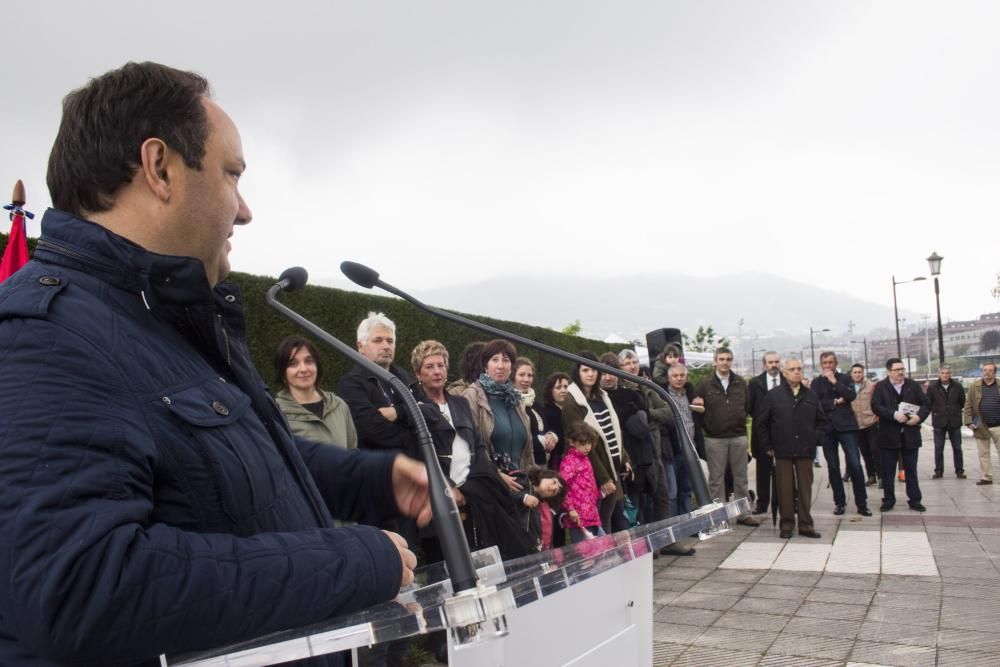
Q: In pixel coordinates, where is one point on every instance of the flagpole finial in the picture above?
(18, 199)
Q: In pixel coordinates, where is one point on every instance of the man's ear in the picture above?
(155, 156)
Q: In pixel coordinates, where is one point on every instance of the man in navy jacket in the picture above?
(152, 498)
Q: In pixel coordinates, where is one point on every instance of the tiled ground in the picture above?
(895, 589)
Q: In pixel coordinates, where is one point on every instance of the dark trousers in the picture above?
(869, 451)
(765, 468)
(955, 436)
(849, 441)
(791, 474)
(909, 457)
(682, 504)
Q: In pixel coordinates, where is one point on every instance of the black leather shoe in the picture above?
(886, 507)
(984, 482)
(760, 510)
(677, 550)
(864, 511)
(809, 533)
(960, 474)
(937, 475)
(785, 535)
(917, 507)
(839, 509)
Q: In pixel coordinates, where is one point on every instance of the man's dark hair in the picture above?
(287, 349)
(722, 350)
(861, 366)
(105, 123)
(892, 362)
(824, 355)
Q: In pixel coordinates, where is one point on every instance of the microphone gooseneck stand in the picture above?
(447, 520)
(368, 278)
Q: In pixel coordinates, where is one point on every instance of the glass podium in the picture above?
(597, 594)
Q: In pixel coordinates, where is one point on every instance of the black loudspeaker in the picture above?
(658, 339)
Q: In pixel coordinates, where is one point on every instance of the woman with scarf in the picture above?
(498, 410)
(543, 439)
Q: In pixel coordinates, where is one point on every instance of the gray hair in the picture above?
(769, 353)
(627, 354)
(373, 320)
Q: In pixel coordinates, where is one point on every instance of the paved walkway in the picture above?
(899, 588)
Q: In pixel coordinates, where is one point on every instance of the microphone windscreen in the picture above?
(294, 278)
(359, 274)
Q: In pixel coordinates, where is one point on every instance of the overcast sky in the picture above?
(834, 143)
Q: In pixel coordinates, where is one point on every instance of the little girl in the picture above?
(580, 515)
(543, 498)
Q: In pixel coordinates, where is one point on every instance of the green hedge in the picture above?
(340, 312)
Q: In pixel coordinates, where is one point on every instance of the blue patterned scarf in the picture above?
(505, 392)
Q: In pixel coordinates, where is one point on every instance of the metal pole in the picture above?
(895, 310)
(937, 298)
(864, 341)
(927, 342)
(812, 350)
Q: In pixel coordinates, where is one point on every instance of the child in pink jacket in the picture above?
(580, 512)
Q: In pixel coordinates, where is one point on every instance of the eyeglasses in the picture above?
(896, 370)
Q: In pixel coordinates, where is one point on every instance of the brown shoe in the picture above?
(748, 521)
(809, 533)
(984, 482)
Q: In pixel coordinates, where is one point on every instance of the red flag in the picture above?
(15, 255)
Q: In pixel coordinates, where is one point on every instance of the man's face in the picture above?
(209, 202)
(772, 363)
(723, 362)
(677, 377)
(857, 375)
(989, 373)
(608, 382)
(944, 375)
(793, 372)
(828, 363)
(630, 365)
(380, 347)
(897, 373)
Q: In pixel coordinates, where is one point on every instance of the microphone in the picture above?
(368, 278)
(447, 520)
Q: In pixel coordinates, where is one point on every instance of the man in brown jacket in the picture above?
(982, 415)
(867, 421)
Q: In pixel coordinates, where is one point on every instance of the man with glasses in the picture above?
(982, 415)
(901, 407)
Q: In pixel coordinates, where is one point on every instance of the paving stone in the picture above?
(896, 655)
(675, 632)
(791, 578)
(896, 633)
(679, 585)
(699, 617)
(846, 582)
(903, 601)
(721, 587)
(701, 656)
(969, 640)
(662, 598)
(831, 648)
(954, 658)
(778, 592)
(796, 661)
(744, 621)
(978, 592)
(743, 576)
(839, 596)
(705, 600)
(689, 572)
(766, 606)
(665, 653)
(923, 617)
(822, 627)
(731, 638)
(840, 612)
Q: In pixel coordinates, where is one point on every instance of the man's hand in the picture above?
(409, 488)
(628, 473)
(511, 482)
(456, 493)
(900, 417)
(828, 374)
(405, 555)
(608, 488)
(698, 400)
(389, 413)
(913, 420)
(530, 501)
(838, 401)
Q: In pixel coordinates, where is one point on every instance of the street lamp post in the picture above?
(812, 346)
(935, 264)
(895, 309)
(864, 342)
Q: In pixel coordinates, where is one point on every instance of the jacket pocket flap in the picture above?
(214, 403)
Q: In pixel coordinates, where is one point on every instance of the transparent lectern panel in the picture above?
(474, 616)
